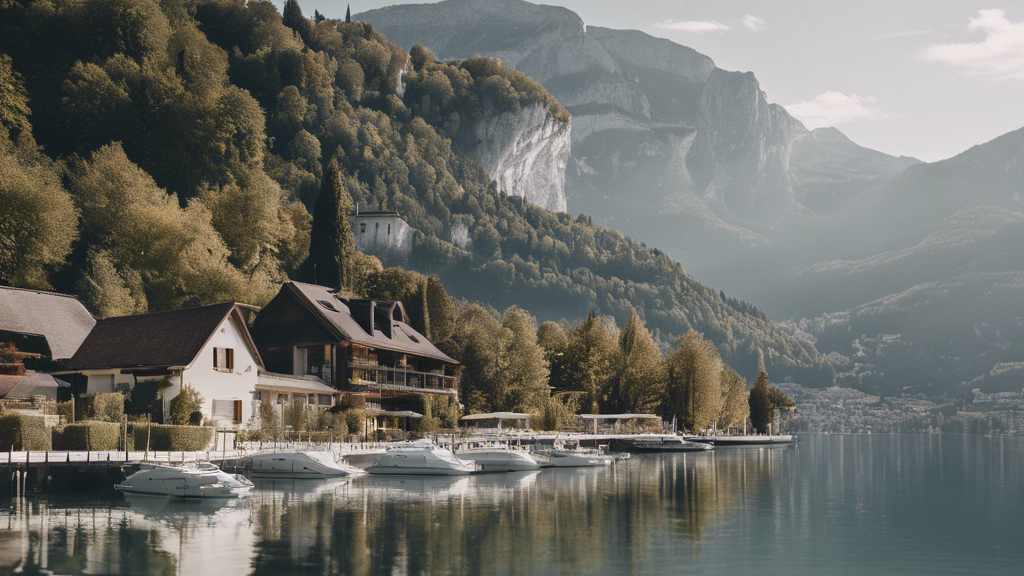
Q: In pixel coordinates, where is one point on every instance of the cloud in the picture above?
(903, 34)
(834, 108)
(694, 26)
(999, 56)
(751, 22)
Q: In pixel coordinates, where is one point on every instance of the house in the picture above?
(382, 233)
(363, 348)
(46, 326)
(208, 348)
(29, 386)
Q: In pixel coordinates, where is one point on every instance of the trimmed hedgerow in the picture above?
(173, 438)
(24, 432)
(88, 435)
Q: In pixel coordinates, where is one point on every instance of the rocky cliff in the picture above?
(525, 152)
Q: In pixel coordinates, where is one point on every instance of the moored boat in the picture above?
(658, 443)
(499, 459)
(299, 465)
(199, 480)
(421, 459)
(570, 455)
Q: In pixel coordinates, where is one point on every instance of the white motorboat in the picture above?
(199, 480)
(570, 455)
(421, 459)
(299, 465)
(499, 459)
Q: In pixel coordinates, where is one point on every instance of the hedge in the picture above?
(24, 432)
(88, 435)
(173, 438)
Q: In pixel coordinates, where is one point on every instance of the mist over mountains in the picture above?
(908, 273)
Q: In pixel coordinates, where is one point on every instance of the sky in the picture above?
(927, 79)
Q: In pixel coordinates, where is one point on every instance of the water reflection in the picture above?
(866, 501)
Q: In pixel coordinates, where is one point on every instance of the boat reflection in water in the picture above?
(725, 512)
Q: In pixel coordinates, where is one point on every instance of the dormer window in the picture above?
(224, 359)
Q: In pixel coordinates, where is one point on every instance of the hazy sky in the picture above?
(922, 78)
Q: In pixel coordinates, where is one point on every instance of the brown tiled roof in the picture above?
(337, 317)
(61, 319)
(158, 340)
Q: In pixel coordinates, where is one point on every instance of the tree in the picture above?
(185, 404)
(270, 423)
(348, 13)
(522, 372)
(640, 384)
(14, 110)
(38, 220)
(476, 347)
(587, 362)
(735, 406)
(332, 245)
(694, 389)
(441, 312)
(761, 408)
(291, 15)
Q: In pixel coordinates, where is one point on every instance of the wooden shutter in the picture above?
(215, 351)
(230, 362)
(238, 411)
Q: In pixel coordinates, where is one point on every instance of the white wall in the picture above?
(387, 236)
(99, 381)
(216, 385)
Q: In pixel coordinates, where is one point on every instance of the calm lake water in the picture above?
(832, 505)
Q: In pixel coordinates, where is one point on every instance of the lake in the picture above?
(879, 504)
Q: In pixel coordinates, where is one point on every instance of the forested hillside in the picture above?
(154, 155)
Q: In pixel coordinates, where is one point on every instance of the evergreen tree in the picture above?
(348, 13)
(333, 247)
(761, 409)
(291, 15)
(641, 382)
(694, 389)
(318, 17)
(441, 312)
(476, 348)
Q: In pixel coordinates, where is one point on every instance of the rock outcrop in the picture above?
(525, 152)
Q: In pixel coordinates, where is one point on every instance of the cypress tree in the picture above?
(348, 13)
(291, 16)
(761, 409)
(440, 311)
(333, 247)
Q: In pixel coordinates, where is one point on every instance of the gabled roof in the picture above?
(58, 318)
(159, 340)
(29, 385)
(335, 315)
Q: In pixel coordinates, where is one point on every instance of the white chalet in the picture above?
(208, 348)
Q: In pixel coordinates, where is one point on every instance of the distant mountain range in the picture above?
(910, 273)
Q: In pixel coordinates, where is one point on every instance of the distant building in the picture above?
(31, 385)
(363, 348)
(381, 233)
(208, 348)
(47, 325)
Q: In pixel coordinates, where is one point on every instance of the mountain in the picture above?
(666, 146)
(934, 302)
(177, 153)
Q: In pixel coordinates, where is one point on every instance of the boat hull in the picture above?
(500, 461)
(414, 471)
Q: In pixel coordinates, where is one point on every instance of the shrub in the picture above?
(24, 432)
(89, 435)
(108, 407)
(270, 424)
(173, 438)
(556, 415)
(184, 404)
(67, 410)
(145, 397)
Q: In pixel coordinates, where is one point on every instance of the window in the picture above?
(362, 227)
(238, 411)
(376, 227)
(311, 399)
(389, 229)
(224, 359)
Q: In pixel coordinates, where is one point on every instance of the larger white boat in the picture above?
(199, 480)
(299, 465)
(421, 459)
(499, 459)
